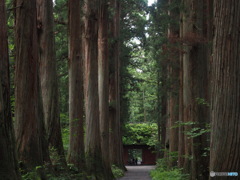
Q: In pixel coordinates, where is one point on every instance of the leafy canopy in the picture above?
(140, 134)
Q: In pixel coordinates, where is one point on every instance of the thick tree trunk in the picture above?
(225, 92)
(159, 153)
(173, 68)
(195, 86)
(115, 145)
(164, 146)
(76, 153)
(30, 131)
(93, 139)
(181, 144)
(9, 164)
(48, 77)
(103, 86)
(187, 95)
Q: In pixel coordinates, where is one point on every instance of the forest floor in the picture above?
(137, 173)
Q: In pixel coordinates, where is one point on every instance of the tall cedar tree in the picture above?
(30, 132)
(103, 86)
(48, 76)
(93, 140)
(225, 92)
(195, 85)
(173, 32)
(115, 143)
(181, 142)
(76, 95)
(8, 165)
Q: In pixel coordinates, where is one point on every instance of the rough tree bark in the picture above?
(9, 164)
(181, 142)
(173, 78)
(103, 86)
(195, 85)
(48, 76)
(30, 132)
(93, 139)
(225, 89)
(115, 142)
(76, 153)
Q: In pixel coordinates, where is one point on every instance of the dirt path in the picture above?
(137, 173)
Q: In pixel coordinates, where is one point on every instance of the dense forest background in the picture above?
(79, 78)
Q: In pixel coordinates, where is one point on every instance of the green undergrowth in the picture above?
(162, 172)
(68, 173)
(117, 172)
(56, 172)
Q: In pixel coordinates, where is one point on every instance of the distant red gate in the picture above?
(148, 154)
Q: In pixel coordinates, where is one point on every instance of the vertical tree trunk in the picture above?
(181, 142)
(159, 153)
(195, 85)
(164, 146)
(93, 139)
(30, 131)
(173, 67)
(187, 95)
(76, 153)
(103, 86)
(114, 94)
(225, 92)
(9, 164)
(48, 76)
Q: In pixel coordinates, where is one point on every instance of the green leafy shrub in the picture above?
(162, 172)
(141, 133)
(65, 138)
(117, 172)
(31, 176)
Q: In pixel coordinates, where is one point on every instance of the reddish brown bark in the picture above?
(9, 164)
(173, 78)
(76, 95)
(93, 140)
(225, 90)
(103, 86)
(181, 144)
(48, 77)
(30, 131)
(116, 149)
(195, 85)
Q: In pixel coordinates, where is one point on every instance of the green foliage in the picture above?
(195, 130)
(164, 173)
(202, 101)
(144, 133)
(64, 119)
(34, 174)
(65, 138)
(117, 172)
(54, 156)
(31, 176)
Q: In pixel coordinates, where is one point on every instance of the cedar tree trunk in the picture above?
(48, 77)
(9, 164)
(103, 86)
(225, 92)
(76, 95)
(115, 143)
(30, 132)
(93, 139)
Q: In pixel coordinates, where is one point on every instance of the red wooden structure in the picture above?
(148, 155)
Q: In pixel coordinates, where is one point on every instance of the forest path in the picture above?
(137, 173)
